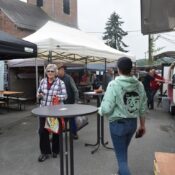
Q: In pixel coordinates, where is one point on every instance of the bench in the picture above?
(3, 103)
(20, 100)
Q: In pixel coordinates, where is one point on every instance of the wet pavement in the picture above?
(19, 146)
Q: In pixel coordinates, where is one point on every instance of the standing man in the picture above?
(107, 77)
(146, 83)
(95, 82)
(155, 85)
(72, 93)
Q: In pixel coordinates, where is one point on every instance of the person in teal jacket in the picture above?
(124, 101)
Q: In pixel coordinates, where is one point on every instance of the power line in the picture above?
(168, 35)
(167, 39)
(129, 31)
(94, 32)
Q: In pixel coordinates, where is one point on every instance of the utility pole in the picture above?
(146, 54)
(150, 49)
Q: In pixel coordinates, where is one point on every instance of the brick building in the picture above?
(21, 19)
(62, 11)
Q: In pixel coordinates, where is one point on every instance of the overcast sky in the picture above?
(93, 15)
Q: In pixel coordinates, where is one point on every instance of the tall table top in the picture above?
(94, 93)
(66, 111)
(10, 92)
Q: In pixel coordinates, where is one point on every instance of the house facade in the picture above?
(62, 11)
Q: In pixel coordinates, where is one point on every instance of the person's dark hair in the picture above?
(61, 65)
(149, 68)
(124, 64)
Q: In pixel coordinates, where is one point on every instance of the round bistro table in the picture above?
(67, 111)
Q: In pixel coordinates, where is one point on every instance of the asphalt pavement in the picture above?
(19, 147)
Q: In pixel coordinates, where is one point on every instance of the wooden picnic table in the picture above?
(7, 95)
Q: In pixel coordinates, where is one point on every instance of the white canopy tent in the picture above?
(56, 41)
(69, 45)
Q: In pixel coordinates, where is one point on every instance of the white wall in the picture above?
(165, 76)
(1, 75)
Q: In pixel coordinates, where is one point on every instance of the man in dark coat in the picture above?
(107, 77)
(72, 93)
(146, 83)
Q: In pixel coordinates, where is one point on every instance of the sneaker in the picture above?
(75, 136)
(43, 157)
(54, 155)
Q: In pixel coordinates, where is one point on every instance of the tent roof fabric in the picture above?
(71, 45)
(26, 16)
(12, 47)
(30, 62)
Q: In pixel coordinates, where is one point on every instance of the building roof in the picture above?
(156, 63)
(170, 54)
(23, 15)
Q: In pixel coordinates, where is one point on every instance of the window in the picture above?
(39, 3)
(66, 6)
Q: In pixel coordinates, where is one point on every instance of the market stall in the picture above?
(12, 47)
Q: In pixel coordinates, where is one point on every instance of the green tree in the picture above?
(114, 33)
(152, 49)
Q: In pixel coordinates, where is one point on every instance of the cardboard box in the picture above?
(164, 163)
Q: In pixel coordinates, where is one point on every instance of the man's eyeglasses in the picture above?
(50, 71)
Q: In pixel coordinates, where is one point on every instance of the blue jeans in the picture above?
(152, 93)
(121, 133)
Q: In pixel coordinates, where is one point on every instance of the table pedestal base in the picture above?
(100, 135)
(66, 151)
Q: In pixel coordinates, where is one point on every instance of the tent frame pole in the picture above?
(105, 76)
(36, 72)
(50, 57)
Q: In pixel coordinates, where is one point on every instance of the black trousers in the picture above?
(47, 146)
